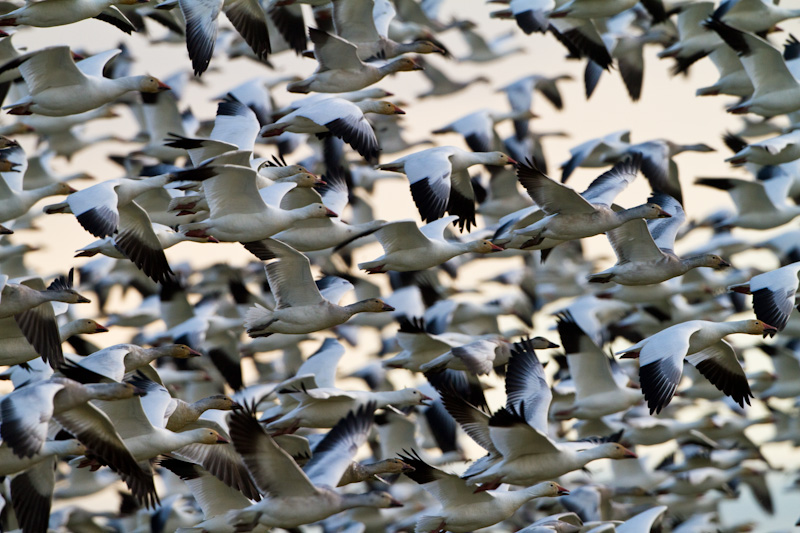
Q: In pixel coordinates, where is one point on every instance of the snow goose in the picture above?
(597, 392)
(167, 238)
(59, 87)
(409, 248)
(441, 183)
(114, 362)
(16, 349)
(27, 301)
(700, 343)
(15, 203)
(776, 90)
(480, 356)
(759, 204)
(520, 450)
(732, 80)
(341, 70)
(773, 151)
(51, 13)
(482, 50)
(773, 294)
(320, 233)
(477, 128)
(298, 496)
(695, 41)
(645, 253)
(754, 17)
(10, 463)
(239, 213)
(520, 96)
(247, 16)
(27, 411)
(341, 118)
(569, 215)
(300, 307)
(419, 346)
(441, 85)
(321, 407)
(596, 152)
(462, 509)
(365, 24)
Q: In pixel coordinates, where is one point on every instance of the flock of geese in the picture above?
(216, 416)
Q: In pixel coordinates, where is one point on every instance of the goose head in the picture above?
(69, 296)
(426, 47)
(391, 466)
(87, 326)
(381, 107)
(757, 327)
(305, 179)
(498, 159)
(615, 450)
(549, 489)
(209, 436)
(413, 397)
(223, 402)
(404, 64)
(484, 247)
(314, 211)
(540, 343)
(373, 305)
(650, 211)
(715, 262)
(150, 84)
(179, 351)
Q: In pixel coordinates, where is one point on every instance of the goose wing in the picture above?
(290, 278)
(550, 195)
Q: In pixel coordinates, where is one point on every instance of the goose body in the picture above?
(51, 13)
(773, 294)
(15, 349)
(644, 250)
(759, 204)
(701, 343)
(301, 308)
(59, 87)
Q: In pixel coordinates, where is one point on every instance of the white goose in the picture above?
(520, 450)
(114, 362)
(701, 344)
(773, 294)
(238, 212)
(441, 183)
(58, 87)
(645, 253)
(409, 248)
(300, 307)
(341, 118)
(51, 13)
(759, 204)
(773, 151)
(463, 509)
(341, 70)
(569, 215)
(15, 348)
(776, 90)
(298, 496)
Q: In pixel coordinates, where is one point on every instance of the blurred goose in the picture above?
(300, 308)
(365, 24)
(238, 213)
(27, 411)
(298, 496)
(15, 348)
(341, 70)
(341, 118)
(759, 204)
(591, 9)
(440, 181)
(59, 87)
(516, 436)
(409, 248)
(645, 253)
(732, 80)
(754, 16)
(480, 356)
(569, 215)
(773, 151)
(27, 303)
(463, 509)
(773, 294)
(701, 344)
(695, 40)
(597, 392)
(776, 89)
(59, 13)
(441, 84)
(114, 362)
(596, 152)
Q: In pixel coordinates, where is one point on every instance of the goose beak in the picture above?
(387, 307)
(724, 264)
(222, 440)
(235, 406)
(395, 503)
(426, 400)
(329, 213)
(630, 454)
(496, 248)
(71, 189)
(83, 300)
(663, 214)
(769, 330)
(194, 353)
(100, 329)
(512, 161)
(398, 111)
(407, 468)
(163, 86)
(561, 490)
(551, 344)
(320, 181)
